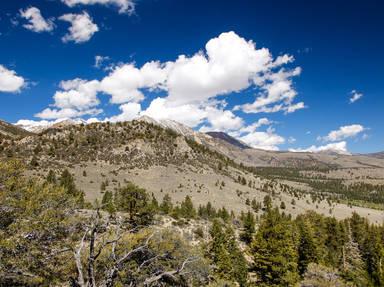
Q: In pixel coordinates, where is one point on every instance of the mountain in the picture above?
(168, 157)
(8, 130)
(38, 127)
(377, 155)
(227, 138)
(235, 149)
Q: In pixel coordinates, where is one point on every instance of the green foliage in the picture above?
(68, 183)
(107, 202)
(37, 223)
(166, 206)
(249, 228)
(307, 245)
(267, 202)
(187, 209)
(353, 267)
(135, 201)
(207, 211)
(226, 256)
(274, 251)
(51, 177)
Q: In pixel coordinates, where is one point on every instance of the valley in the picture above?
(169, 158)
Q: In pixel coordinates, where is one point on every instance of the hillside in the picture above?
(8, 130)
(377, 155)
(104, 156)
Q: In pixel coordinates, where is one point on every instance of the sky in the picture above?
(278, 75)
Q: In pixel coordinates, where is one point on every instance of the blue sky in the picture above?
(267, 99)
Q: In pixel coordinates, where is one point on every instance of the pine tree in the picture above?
(353, 266)
(274, 251)
(51, 177)
(166, 206)
(134, 200)
(226, 256)
(307, 246)
(223, 214)
(249, 228)
(187, 210)
(107, 202)
(334, 241)
(154, 203)
(68, 182)
(267, 202)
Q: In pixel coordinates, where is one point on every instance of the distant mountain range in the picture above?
(377, 155)
(226, 145)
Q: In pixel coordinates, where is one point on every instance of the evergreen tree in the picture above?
(307, 246)
(187, 210)
(68, 182)
(223, 214)
(353, 266)
(274, 251)
(249, 228)
(226, 256)
(107, 202)
(134, 200)
(51, 177)
(154, 203)
(373, 253)
(166, 206)
(334, 241)
(267, 202)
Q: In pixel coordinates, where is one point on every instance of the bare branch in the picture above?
(130, 253)
(169, 274)
(145, 262)
(79, 266)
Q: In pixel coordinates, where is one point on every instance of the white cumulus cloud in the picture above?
(355, 96)
(343, 132)
(189, 89)
(129, 112)
(76, 98)
(51, 114)
(37, 23)
(190, 115)
(125, 82)
(124, 6)
(267, 140)
(82, 28)
(277, 93)
(338, 147)
(100, 60)
(10, 81)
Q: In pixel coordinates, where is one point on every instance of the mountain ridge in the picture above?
(161, 160)
(219, 141)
